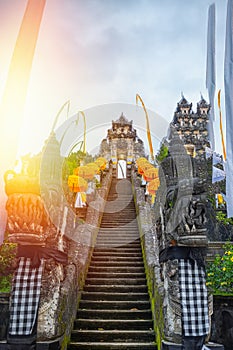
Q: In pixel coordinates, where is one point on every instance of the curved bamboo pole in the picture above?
(84, 130)
(15, 93)
(59, 112)
(138, 97)
(83, 143)
(221, 129)
(76, 144)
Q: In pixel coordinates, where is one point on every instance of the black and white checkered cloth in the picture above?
(194, 298)
(25, 297)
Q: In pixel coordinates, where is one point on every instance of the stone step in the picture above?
(114, 305)
(133, 314)
(108, 246)
(120, 225)
(115, 199)
(116, 269)
(114, 216)
(114, 190)
(115, 222)
(116, 281)
(118, 216)
(113, 245)
(112, 346)
(120, 207)
(116, 254)
(124, 238)
(115, 275)
(118, 201)
(126, 259)
(132, 236)
(112, 231)
(131, 257)
(136, 240)
(132, 245)
(114, 241)
(98, 296)
(120, 241)
(116, 288)
(121, 231)
(117, 213)
(130, 228)
(117, 250)
(97, 324)
(112, 335)
(122, 263)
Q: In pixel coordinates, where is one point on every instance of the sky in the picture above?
(104, 52)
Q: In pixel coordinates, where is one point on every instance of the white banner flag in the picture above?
(228, 83)
(217, 158)
(208, 152)
(210, 70)
(217, 174)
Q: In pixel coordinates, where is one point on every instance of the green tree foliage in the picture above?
(220, 272)
(74, 160)
(222, 217)
(162, 153)
(7, 265)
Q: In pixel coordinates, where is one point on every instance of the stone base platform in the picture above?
(54, 344)
(172, 346)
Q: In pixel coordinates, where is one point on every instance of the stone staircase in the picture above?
(114, 310)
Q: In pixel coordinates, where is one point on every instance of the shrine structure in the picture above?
(122, 146)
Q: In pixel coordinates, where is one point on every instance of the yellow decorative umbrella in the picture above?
(101, 161)
(140, 163)
(143, 167)
(153, 186)
(140, 160)
(151, 174)
(77, 183)
(85, 172)
(94, 166)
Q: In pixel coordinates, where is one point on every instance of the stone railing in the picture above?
(79, 252)
(166, 309)
(150, 251)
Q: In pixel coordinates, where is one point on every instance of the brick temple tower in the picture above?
(192, 127)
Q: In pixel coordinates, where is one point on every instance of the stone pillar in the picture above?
(182, 236)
